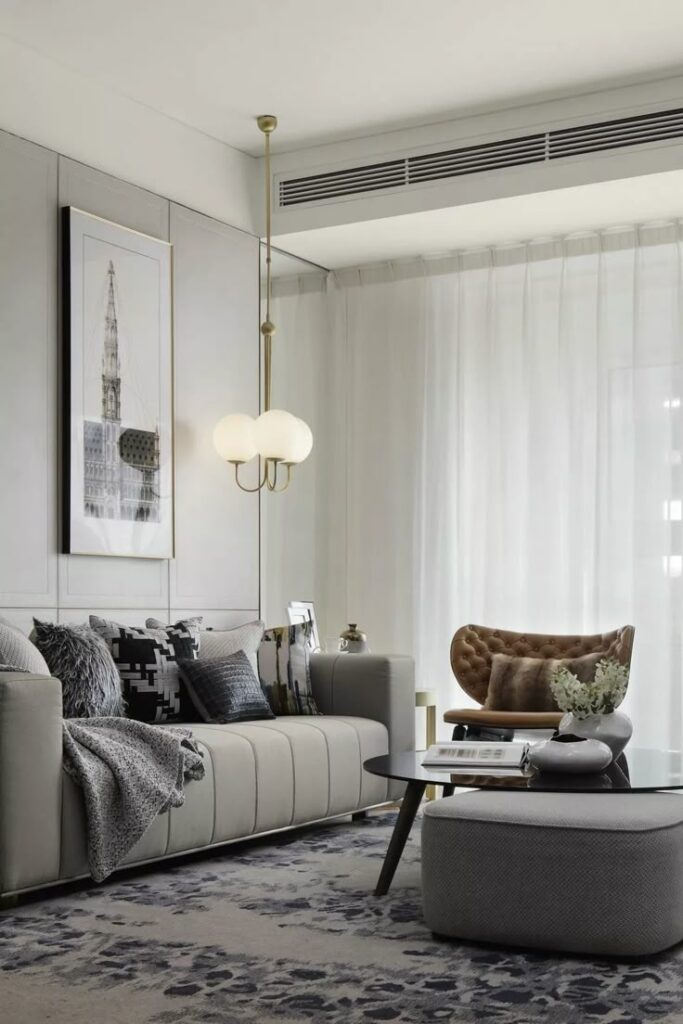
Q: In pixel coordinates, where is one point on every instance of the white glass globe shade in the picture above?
(233, 438)
(276, 433)
(303, 443)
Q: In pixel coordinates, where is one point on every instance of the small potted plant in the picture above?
(591, 708)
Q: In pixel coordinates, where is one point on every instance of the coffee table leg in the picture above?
(404, 823)
(448, 790)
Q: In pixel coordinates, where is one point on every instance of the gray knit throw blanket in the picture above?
(129, 772)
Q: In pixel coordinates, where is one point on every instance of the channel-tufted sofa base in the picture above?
(261, 777)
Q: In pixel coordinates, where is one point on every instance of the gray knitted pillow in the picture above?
(76, 655)
(18, 651)
(225, 689)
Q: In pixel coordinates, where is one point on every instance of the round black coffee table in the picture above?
(635, 771)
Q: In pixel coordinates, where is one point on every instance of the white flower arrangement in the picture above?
(600, 697)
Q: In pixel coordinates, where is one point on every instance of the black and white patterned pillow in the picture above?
(147, 660)
(225, 689)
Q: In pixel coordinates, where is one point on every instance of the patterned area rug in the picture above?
(288, 931)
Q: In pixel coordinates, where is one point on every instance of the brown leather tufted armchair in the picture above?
(472, 648)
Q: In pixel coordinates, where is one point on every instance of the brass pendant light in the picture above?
(277, 436)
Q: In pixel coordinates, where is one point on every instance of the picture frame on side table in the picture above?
(303, 612)
(117, 390)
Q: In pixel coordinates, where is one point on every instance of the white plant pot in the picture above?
(614, 729)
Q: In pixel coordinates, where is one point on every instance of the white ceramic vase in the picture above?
(583, 757)
(614, 729)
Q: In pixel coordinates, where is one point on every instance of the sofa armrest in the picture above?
(377, 686)
(30, 779)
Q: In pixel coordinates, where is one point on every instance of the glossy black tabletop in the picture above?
(636, 771)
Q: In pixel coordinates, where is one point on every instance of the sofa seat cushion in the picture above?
(593, 873)
(260, 776)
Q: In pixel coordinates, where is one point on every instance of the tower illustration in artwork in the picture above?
(121, 464)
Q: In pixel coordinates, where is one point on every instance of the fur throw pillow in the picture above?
(76, 655)
(523, 684)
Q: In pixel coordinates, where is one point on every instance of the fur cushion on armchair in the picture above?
(523, 684)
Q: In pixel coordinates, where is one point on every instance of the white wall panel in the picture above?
(216, 351)
(217, 619)
(125, 616)
(216, 296)
(28, 374)
(23, 617)
(86, 582)
(109, 197)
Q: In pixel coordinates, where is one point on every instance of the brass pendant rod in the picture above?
(268, 224)
(267, 365)
(267, 123)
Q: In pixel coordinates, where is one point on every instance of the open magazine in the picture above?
(453, 755)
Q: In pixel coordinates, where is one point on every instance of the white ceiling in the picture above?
(333, 71)
(496, 222)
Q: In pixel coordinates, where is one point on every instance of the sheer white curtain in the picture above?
(501, 435)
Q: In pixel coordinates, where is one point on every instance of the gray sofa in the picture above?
(261, 777)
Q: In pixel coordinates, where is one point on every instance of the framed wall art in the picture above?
(117, 397)
(303, 613)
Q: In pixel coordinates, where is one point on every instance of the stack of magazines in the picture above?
(477, 758)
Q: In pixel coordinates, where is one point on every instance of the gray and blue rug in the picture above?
(287, 930)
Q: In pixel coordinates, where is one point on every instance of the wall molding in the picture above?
(216, 311)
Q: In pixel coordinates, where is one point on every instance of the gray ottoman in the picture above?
(584, 873)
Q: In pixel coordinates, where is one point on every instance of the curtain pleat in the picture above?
(498, 439)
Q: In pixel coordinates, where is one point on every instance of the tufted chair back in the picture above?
(472, 648)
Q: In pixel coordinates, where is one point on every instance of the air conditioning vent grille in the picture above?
(661, 126)
(627, 131)
(314, 187)
(475, 159)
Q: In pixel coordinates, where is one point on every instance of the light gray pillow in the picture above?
(91, 685)
(18, 651)
(195, 620)
(221, 643)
